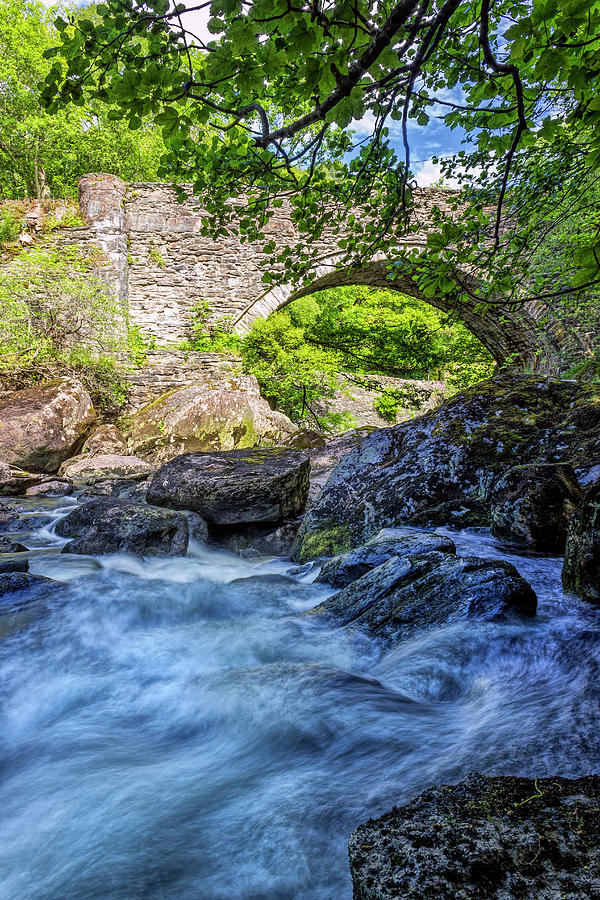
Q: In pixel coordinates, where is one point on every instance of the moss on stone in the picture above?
(331, 541)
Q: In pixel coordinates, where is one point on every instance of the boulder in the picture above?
(43, 425)
(532, 506)
(53, 488)
(23, 587)
(581, 569)
(222, 416)
(105, 439)
(109, 525)
(326, 456)
(408, 594)
(101, 467)
(5, 473)
(9, 516)
(343, 570)
(487, 837)
(449, 460)
(8, 546)
(124, 488)
(15, 482)
(13, 562)
(236, 486)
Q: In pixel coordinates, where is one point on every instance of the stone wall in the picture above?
(157, 259)
(161, 262)
(170, 370)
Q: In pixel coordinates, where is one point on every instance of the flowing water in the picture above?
(175, 728)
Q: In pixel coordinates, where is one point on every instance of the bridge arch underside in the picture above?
(510, 334)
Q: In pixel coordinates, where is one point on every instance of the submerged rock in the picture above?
(237, 486)
(109, 525)
(45, 424)
(450, 459)
(532, 506)
(90, 469)
(343, 570)
(23, 587)
(413, 593)
(203, 417)
(487, 837)
(581, 569)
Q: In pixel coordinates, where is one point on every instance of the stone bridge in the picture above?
(161, 267)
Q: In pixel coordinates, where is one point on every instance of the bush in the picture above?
(10, 226)
(52, 303)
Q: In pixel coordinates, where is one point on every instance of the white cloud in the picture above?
(429, 173)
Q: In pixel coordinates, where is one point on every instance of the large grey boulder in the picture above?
(43, 425)
(494, 838)
(581, 569)
(532, 506)
(110, 525)
(408, 594)
(441, 468)
(93, 468)
(238, 486)
(224, 415)
(343, 570)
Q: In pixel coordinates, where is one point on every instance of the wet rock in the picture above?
(453, 455)
(325, 457)
(204, 417)
(581, 569)
(90, 469)
(109, 525)
(13, 562)
(258, 540)
(487, 837)
(43, 425)
(532, 506)
(237, 486)
(54, 488)
(9, 516)
(343, 570)
(22, 586)
(9, 546)
(105, 439)
(408, 594)
(124, 488)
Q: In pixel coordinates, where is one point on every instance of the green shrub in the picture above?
(10, 226)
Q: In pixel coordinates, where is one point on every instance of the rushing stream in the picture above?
(175, 728)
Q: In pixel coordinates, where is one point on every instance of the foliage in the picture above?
(281, 84)
(391, 401)
(138, 344)
(10, 226)
(299, 352)
(211, 336)
(58, 317)
(40, 153)
(51, 302)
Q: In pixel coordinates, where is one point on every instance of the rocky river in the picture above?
(178, 727)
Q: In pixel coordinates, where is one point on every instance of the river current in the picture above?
(175, 728)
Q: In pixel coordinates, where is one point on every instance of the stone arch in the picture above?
(510, 333)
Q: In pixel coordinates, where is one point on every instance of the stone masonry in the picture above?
(161, 266)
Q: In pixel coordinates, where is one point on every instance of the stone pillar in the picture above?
(102, 205)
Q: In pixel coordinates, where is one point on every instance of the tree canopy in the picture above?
(281, 83)
(42, 153)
